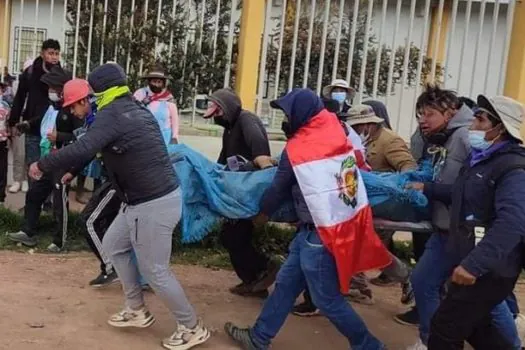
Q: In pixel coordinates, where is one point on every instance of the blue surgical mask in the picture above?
(477, 140)
(339, 96)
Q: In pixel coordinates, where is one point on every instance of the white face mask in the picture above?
(53, 97)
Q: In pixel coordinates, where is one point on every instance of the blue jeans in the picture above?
(433, 269)
(512, 303)
(310, 264)
(142, 281)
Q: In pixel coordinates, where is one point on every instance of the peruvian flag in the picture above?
(325, 166)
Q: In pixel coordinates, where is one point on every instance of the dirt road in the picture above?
(46, 304)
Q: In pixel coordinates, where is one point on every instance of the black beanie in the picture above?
(107, 76)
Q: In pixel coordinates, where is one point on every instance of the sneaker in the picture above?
(246, 290)
(22, 237)
(418, 346)
(132, 318)
(25, 186)
(407, 293)
(305, 310)
(53, 248)
(241, 336)
(383, 281)
(409, 318)
(268, 277)
(520, 326)
(185, 338)
(15, 187)
(361, 296)
(104, 280)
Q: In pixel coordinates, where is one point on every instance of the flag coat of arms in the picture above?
(325, 165)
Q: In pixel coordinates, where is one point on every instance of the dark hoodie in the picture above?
(300, 105)
(244, 133)
(380, 110)
(35, 91)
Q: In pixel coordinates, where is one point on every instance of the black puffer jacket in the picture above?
(132, 148)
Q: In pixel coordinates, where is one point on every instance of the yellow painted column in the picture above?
(441, 37)
(5, 24)
(515, 77)
(250, 39)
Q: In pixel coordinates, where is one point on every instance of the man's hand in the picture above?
(52, 136)
(15, 132)
(418, 186)
(263, 162)
(67, 178)
(463, 277)
(260, 219)
(34, 171)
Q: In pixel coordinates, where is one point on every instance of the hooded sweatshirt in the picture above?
(458, 149)
(299, 106)
(164, 109)
(244, 132)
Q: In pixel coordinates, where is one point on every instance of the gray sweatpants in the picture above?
(148, 229)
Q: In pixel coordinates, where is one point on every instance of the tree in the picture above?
(357, 55)
(187, 61)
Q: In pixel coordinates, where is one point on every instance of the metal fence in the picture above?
(386, 49)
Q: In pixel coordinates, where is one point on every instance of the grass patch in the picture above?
(273, 239)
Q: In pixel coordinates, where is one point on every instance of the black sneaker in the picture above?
(383, 281)
(305, 309)
(241, 335)
(104, 280)
(409, 318)
(407, 293)
(246, 290)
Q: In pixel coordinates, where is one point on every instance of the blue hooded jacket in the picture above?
(299, 105)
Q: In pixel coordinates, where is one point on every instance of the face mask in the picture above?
(287, 129)
(339, 96)
(155, 89)
(477, 140)
(53, 97)
(220, 121)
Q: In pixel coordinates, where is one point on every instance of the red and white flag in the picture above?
(325, 166)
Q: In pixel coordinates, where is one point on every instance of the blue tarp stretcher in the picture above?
(209, 193)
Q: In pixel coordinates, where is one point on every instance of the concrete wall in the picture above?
(51, 22)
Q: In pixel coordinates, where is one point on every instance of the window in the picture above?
(26, 42)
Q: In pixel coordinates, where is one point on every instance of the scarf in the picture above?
(104, 98)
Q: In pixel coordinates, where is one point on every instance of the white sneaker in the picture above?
(25, 186)
(185, 338)
(520, 326)
(15, 187)
(418, 346)
(132, 318)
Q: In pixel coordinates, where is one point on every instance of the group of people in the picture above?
(466, 269)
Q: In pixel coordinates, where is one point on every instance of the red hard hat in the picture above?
(74, 91)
